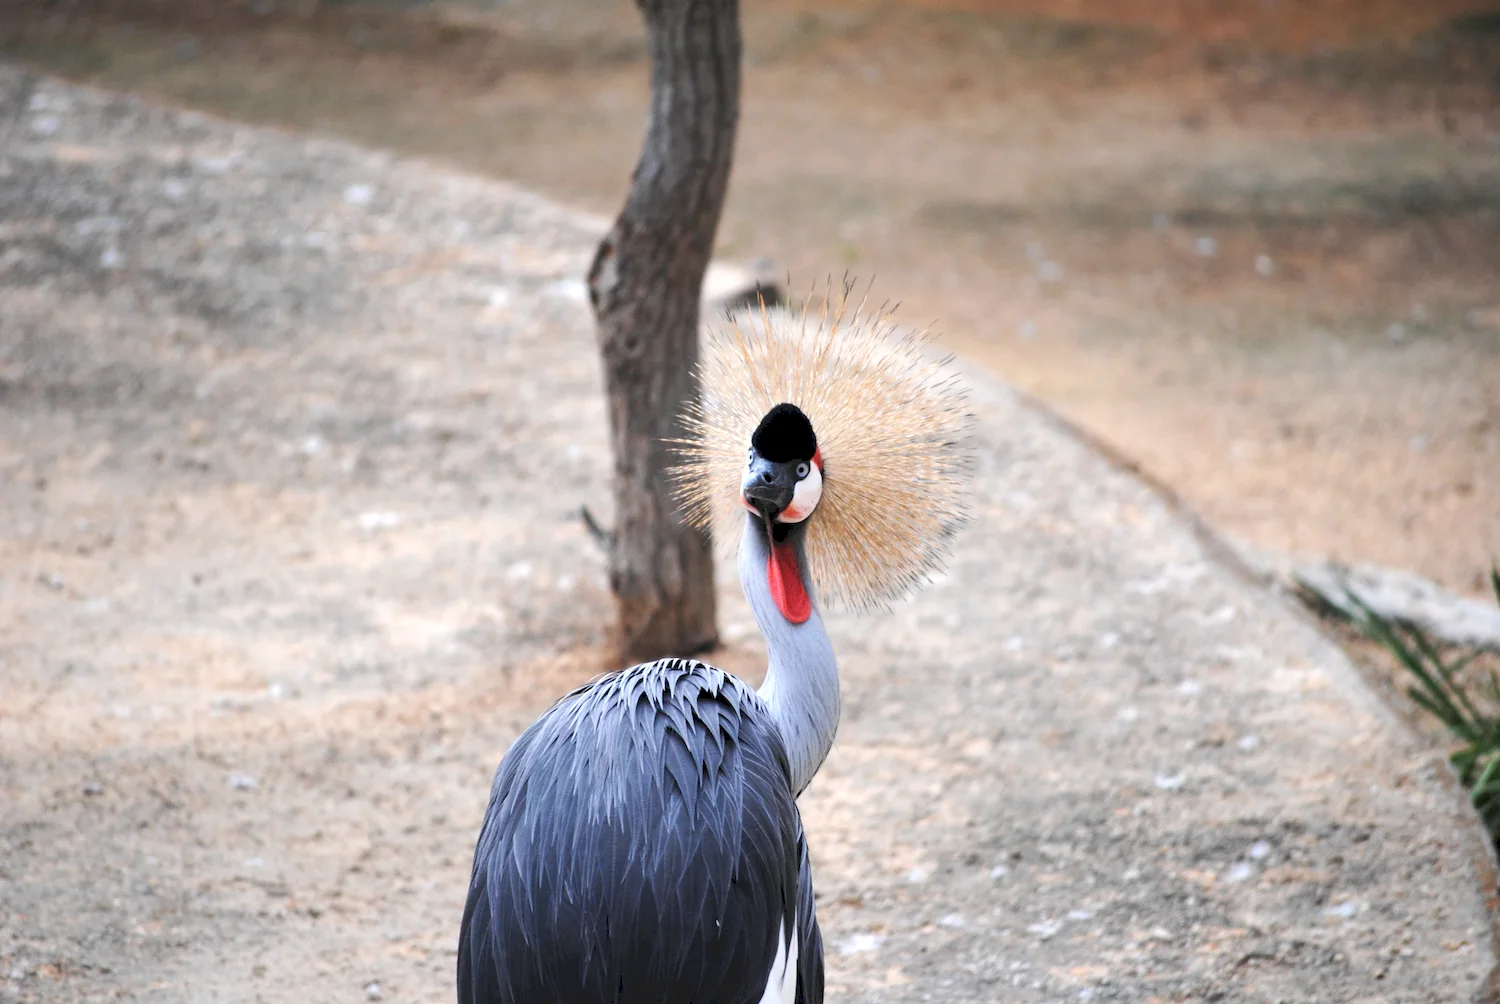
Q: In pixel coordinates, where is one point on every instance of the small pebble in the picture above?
(372, 992)
(243, 782)
(1248, 743)
(93, 788)
(1239, 871)
(1169, 782)
(573, 290)
(1045, 929)
(1206, 247)
(999, 871)
(359, 195)
(377, 520)
(519, 571)
(856, 943)
(916, 876)
(1264, 265)
(1259, 850)
(1079, 915)
(951, 920)
(1396, 332)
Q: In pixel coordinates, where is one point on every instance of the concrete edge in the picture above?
(1352, 681)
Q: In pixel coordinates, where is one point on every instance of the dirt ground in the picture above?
(1252, 245)
(266, 622)
(293, 439)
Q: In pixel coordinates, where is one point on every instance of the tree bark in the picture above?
(645, 284)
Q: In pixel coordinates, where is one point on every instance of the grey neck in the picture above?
(802, 679)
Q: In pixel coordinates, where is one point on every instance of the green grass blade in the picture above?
(1379, 630)
(1448, 673)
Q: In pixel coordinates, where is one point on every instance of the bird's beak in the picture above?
(768, 488)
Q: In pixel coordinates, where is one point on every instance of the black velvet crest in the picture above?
(784, 435)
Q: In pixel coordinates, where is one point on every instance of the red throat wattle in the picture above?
(785, 579)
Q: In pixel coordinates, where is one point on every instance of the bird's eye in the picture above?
(803, 470)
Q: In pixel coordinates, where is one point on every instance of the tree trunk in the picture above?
(645, 285)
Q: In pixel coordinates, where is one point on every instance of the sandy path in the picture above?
(292, 438)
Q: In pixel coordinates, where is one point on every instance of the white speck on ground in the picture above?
(857, 943)
(377, 520)
(571, 290)
(1045, 929)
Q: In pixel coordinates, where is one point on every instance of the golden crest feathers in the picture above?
(891, 423)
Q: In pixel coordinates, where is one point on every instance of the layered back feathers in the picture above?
(891, 422)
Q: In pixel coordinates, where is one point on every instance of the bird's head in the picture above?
(784, 471)
(891, 426)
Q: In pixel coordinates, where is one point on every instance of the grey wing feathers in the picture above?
(810, 953)
(641, 846)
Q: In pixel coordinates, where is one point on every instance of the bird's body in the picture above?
(651, 851)
(642, 843)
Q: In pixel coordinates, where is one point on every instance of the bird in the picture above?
(642, 843)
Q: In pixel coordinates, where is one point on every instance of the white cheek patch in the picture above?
(804, 497)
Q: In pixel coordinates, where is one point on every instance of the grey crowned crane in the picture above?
(642, 843)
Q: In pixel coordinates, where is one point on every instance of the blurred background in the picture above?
(1253, 245)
